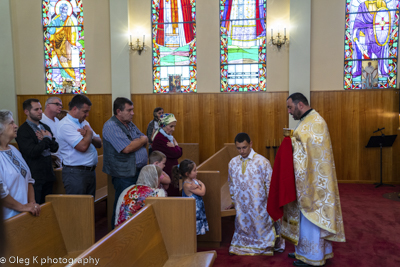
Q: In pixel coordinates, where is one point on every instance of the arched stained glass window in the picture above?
(174, 46)
(243, 45)
(371, 44)
(64, 46)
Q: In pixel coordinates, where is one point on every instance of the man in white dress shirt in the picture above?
(78, 143)
(53, 107)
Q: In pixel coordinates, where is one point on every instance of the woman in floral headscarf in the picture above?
(133, 198)
(164, 141)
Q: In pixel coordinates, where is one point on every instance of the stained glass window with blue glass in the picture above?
(243, 45)
(371, 44)
(174, 46)
(64, 46)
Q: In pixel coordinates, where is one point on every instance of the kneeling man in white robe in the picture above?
(249, 180)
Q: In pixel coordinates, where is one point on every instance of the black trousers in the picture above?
(42, 189)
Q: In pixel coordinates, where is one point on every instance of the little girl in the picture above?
(193, 188)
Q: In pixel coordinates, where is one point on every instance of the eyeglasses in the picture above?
(58, 104)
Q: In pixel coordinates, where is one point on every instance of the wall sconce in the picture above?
(278, 41)
(137, 47)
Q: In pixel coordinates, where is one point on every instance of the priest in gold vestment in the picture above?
(315, 219)
(249, 180)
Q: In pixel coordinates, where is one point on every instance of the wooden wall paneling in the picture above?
(191, 121)
(396, 147)
(179, 112)
(369, 165)
(348, 148)
(266, 124)
(140, 112)
(208, 125)
(234, 116)
(352, 116)
(214, 119)
(222, 126)
(281, 117)
(251, 119)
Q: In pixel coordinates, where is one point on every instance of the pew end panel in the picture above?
(214, 173)
(101, 181)
(136, 242)
(28, 236)
(176, 217)
(140, 241)
(190, 151)
(58, 185)
(220, 162)
(75, 216)
(231, 149)
(110, 200)
(226, 200)
(212, 204)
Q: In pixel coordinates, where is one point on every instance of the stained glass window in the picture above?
(243, 45)
(64, 46)
(371, 40)
(174, 46)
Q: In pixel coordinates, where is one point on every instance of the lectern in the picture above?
(381, 141)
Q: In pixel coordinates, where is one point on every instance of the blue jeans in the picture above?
(79, 182)
(120, 184)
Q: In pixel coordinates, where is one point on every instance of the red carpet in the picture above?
(372, 228)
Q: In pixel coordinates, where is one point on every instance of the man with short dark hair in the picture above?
(124, 148)
(52, 108)
(316, 217)
(36, 142)
(249, 180)
(78, 143)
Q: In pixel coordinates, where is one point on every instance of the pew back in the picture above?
(28, 236)
(75, 216)
(212, 200)
(220, 161)
(136, 242)
(190, 151)
(177, 219)
(64, 229)
(162, 233)
(214, 174)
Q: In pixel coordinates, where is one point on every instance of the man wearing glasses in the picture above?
(53, 107)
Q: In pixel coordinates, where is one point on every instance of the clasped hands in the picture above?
(40, 134)
(85, 130)
(174, 144)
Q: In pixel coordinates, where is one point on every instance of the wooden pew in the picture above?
(64, 229)
(162, 233)
(214, 174)
(189, 151)
(101, 182)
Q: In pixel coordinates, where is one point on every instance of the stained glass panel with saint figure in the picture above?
(371, 44)
(243, 45)
(174, 46)
(64, 46)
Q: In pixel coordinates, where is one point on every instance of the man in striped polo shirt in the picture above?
(124, 152)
